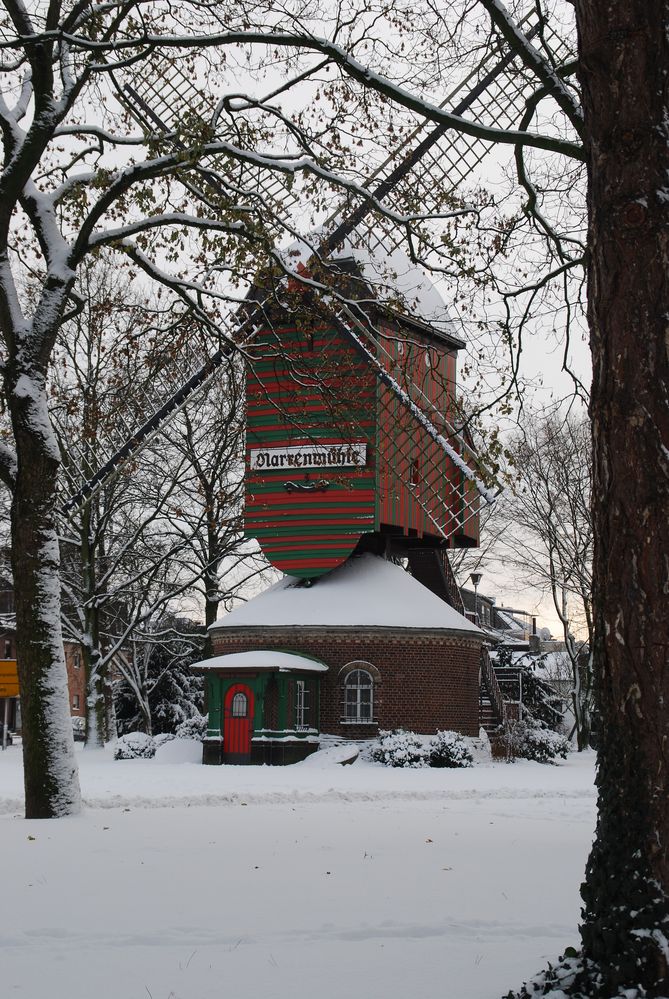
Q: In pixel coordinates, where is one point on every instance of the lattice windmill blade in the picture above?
(163, 95)
(431, 158)
(179, 381)
(434, 161)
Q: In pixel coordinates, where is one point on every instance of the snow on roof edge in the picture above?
(262, 659)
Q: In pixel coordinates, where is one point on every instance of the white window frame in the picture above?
(358, 719)
(301, 705)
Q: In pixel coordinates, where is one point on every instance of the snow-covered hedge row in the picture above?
(406, 749)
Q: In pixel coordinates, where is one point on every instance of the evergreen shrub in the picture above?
(193, 728)
(162, 738)
(541, 744)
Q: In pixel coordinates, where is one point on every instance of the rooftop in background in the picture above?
(500, 623)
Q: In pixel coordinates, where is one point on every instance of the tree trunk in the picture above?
(95, 704)
(96, 709)
(624, 58)
(50, 771)
(212, 582)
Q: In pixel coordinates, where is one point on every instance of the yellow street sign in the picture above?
(9, 678)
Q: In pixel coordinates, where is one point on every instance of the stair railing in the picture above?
(490, 680)
(452, 587)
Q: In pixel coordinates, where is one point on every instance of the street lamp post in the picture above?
(476, 578)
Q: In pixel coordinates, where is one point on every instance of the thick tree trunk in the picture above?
(50, 771)
(624, 63)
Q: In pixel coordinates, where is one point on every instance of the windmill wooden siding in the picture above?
(311, 387)
(306, 389)
(420, 489)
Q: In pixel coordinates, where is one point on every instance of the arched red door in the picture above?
(238, 724)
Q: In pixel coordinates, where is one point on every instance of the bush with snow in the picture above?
(407, 749)
(193, 728)
(541, 744)
(135, 746)
(530, 740)
(401, 749)
(450, 749)
(162, 738)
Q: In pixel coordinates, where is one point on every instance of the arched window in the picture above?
(239, 706)
(358, 696)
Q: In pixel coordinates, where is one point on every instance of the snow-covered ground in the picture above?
(187, 882)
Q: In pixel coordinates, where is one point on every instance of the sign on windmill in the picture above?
(338, 445)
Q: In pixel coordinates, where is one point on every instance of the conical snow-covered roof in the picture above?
(364, 592)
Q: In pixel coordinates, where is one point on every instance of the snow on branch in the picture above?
(532, 58)
(351, 66)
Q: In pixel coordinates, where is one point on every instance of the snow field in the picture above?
(187, 882)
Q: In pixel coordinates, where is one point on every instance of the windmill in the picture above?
(438, 500)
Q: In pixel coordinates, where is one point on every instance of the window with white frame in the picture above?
(301, 705)
(358, 696)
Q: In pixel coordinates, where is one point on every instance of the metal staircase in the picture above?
(492, 704)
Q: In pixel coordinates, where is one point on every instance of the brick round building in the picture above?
(365, 647)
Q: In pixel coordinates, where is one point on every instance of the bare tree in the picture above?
(155, 656)
(104, 363)
(547, 539)
(210, 439)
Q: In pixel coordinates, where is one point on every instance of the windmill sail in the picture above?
(429, 164)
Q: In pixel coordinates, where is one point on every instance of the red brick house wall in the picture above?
(424, 680)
